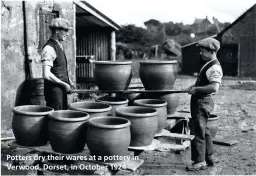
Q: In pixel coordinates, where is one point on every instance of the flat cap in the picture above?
(209, 43)
(60, 23)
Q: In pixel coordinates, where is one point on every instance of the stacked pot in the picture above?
(147, 117)
(160, 75)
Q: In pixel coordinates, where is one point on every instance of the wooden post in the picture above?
(156, 51)
(113, 46)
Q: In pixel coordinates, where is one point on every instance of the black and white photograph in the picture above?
(118, 87)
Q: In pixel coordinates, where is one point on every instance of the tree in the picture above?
(152, 22)
(173, 28)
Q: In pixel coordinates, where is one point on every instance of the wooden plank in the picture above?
(7, 138)
(175, 135)
(172, 147)
(224, 141)
(128, 91)
(152, 146)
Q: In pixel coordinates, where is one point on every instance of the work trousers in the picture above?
(201, 145)
(55, 96)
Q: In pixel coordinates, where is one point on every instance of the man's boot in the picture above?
(197, 166)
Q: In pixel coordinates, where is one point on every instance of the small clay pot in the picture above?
(114, 102)
(67, 130)
(160, 106)
(108, 136)
(158, 75)
(94, 109)
(113, 75)
(144, 124)
(213, 124)
(29, 124)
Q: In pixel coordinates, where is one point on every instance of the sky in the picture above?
(138, 11)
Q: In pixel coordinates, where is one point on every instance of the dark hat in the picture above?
(60, 23)
(209, 43)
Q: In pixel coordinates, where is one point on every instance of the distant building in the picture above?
(238, 48)
(201, 25)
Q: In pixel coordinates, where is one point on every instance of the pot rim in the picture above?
(113, 62)
(158, 62)
(108, 108)
(140, 103)
(83, 118)
(141, 115)
(213, 117)
(19, 110)
(124, 101)
(126, 124)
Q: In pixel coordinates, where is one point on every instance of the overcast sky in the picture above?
(138, 11)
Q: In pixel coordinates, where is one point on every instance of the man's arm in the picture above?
(211, 88)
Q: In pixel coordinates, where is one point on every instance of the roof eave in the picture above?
(86, 6)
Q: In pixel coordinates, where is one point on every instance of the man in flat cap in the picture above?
(201, 104)
(54, 62)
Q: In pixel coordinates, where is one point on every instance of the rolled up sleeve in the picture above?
(214, 74)
(48, 55)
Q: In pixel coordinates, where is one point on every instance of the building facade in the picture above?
(25, 29)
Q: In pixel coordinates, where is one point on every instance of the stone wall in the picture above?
(13, 53)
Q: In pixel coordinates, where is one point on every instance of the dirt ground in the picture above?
(236, 106)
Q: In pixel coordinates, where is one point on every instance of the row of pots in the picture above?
(69, 130)
(154, 74)
(94, 122)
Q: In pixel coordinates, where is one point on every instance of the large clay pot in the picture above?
(94, 109)
(67, 130)
(114, 102)
(113, 75)
(213, 124)
(172, 100)
(29, 124)
(144, 124)
(158, 105)
(108, 136)
(158, 75)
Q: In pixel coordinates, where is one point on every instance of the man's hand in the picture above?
(67, 88)
(189, 88)
(193, 90)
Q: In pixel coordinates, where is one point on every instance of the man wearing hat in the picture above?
(201, 104)
(54, 62)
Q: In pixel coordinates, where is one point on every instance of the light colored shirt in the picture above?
(214, 73)
(48, 54)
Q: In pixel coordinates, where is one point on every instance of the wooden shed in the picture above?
(95, 40)
(237, 54)
(238, 49)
